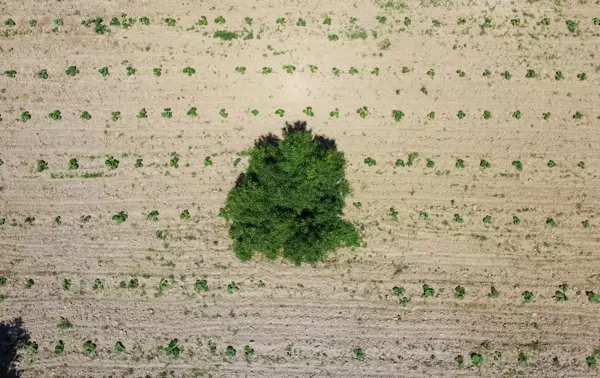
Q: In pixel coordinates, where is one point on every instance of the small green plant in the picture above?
(163, 285)
(423, 216)
(208, 161)
(267, 70)
(41, 166)
(517, 114)
(515, 22)
(407, 21)
(72, 71)
(370, 161)
(65, 323)
(192, 112)
(545, 21)
(460, 360)
(458, 219)
(201, 285)
(119, 348)
(375, 71)
(226, 35)
(66, 284)
(381, 19)
(111, 163)
(493, 292)
(289, 68)
(573, 26)
(405, 69)
(487, 219)
(120, 217)
(29, 283)
(152, 215)
(431, 115)
(157, 72)
(487, 23)
(353, 71)
(309, 111)
(546, 116)
(280, 21)
(230, 351)
(476, 359)
(232, 287)
(85, 115)
(167, 113)
(189, 71)
(561, 295)
(240, 69)
(577, 115)
(585, 223)
(398, 115)
(115, 116)
(517, 164)
(428, 291)
(591, 362)
(59, 347)
(459, 292)
(359, 353)
(336, 71)
(301, 22)
(412, 158)
(527, 296)
(32, 23)
(363, 112)
(487, 73)
(335, 113)
(581, 76)
(254, 112)
(327, 20)
(142, 113)
(73, 164)
(461, 21)
(559, 75)
(57, 220)
(507, 75)
(551, 164)
(139, 163)
(185, 215)
(436, 23)
(596, 21)
(89, 348)
(170, 22)
(25, 116)
(130, 70)
(103, 71)
(313, 68)
(42, 74)
(223, 113)
(581, 164)
(516, 220)
(461, 73)
(487, 115)
(144, 20)
(460, 163)
(430, 163)
(551, 222)
(98, 285)
(531, 74)
(220, 20)
(55, 115)
(31, 347)
(485, 164)
(393, 214)
(9, 22)
(431, 73)
(592, 297)
(30, 220)
(173, 350)
(280, 112)
(461, 114)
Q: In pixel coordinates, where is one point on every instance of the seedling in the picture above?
(313, 68)
(232, 287)
(359, 353)
(423, 216)
(308, 111)
(66, 284)
(436, 23)
(476, 359)
(152, 216)
(487, 73)
(248, 352)
(460, 360)
(428, 291)
(407, 21)
(561, 295)
(225, 35)
(98, 285)
(29, 283)
(267, 70)
(592, 297)
(25, 116)
(559, 75)
(115, 116)
(591, 362)
(31, 347)
(370, 161)
(201, 285)
(461, 73)
(515, 22)
(280, 21)
(581, 164)
(130, 70)
(487, 115)
(189, 71)
(412, 158)
(120, 217)
(381, 19)
(516, 220)
(461, 21)
(375, 71)
(9, 22)
(577, 115)
(327, 20)
(163, 285)
(546, 116)
(254, 112)
(353, 71)
(64, 323)
(220, 20)
(405, 69)
(241, 70)
(289, 68)
(461, 114)
(55, 115)
(581, 76)
(517, 164)
(336, 71)
(585, 224)
(527, 296)
(531, 74)
(493, 293)
(111, 163)
(73, 164)
(41, 166)
(363, 112)
(3, 280)
(487, 219)
(144, 20)
(517, 114)
(119, 348)
(42, 74)
(57, 220)
(335, 113)
(573, 26)
(170, 21)
(174, 162)
(157, 72)
(142, 113)
(104, 71)
(59, 348)
(167, 113)
(398, 115)
(72, 71)
(431, 73)
(208, 161)
(58, 22)
(85, 115)
(458, 219)
(507, 75)
(596, 21)
(431, 115)
(139, 163)
(545, 21)
(173, 350)
(185, 215)
(459, 292)
(551, 222)
(393, 214)
(32, 23)
(230, 352)
(353, 20)
(485, 164)
(301, 22)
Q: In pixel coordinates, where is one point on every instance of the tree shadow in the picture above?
(13, 336)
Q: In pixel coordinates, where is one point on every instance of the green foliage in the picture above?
(72, 71)
(336, 71)
(240, 69)
(458, 219)
(412, 158)
(225, 35)
(582, 76)
(254, 112)
(89, 348)
(185, 215)
(189, 71)
(460, 164)
(163, 285)
(275, 210)
(592, 297)
(581, 164)
(55, 115)
(335, 113)
(493, 292)
(577, 115)
(31, 347)
(207, 161)
(309, 111)
(430, 163)
(327, 20)
(398, 291)
(9, 22)
(375, 71)
(41, 166)
(230, 351)
(3, 280)
(248, 20)
(407, 21)
(192, 112)
(139, 163)
(115, 116)
(516, 220)
(545, 21)
(301, 22)
(461, 73)
(32, 23)
(573, 26)
(487, 114)
(152, 216)
(280, 112)
(551, 222)
(267, 70)
(591, 362)
(29, 283)
(98, 285)
(111, 163)
(65, 323)
(487, 73)
(201, 285)
(289, 68)
(132, 284)
(359, 353)
(527, 296)
(103, 71)
(353, 71)
(120, 217)
(428, 291)
(119, 348)
(431, 73)
(517, 164)
(484, 164)
(559, 75)
(398, 115)
(59, 348)
(515, 22)
(142, 113)
(223, 113)
(459, 292)
(173, 350)
(85, 115)
(144, 20)
(313, 68)
(460, 360)
(370, 161)
(423, 216)
(220, 20)
(476, 359)
(25, 116)
(399, 163)
(157, 72)
(431, 115)
(393, 214)
(487, 219)
(363, 112)
(167, 113)
(233, 287)
(130, 70)
(461, 114)
(507, 75)
(280, 21)
(42, 74)
(516, 114)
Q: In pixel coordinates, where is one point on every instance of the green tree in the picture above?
(289, 201)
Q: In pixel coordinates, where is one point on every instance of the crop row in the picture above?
(201, 286)
(362, 112)
(129, 70)
(101, 26)
(175, 349)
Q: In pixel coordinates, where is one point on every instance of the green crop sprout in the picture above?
(65, 323)
(375, 71)
(254, 112)
(41, 166)
(327, 20)
(230, 352)
(152, 215)
(173, 350)
(57, 220)
(42, 74)
(485, 164)
(559, 75)
(428, 291)
(398, 115)
(516, 220)
(241, 69)
(55, 115)
(487, 219)
(32, 23)
(431, 73)
(551, 164)
(573, 26)
(585, 223)
(120, 217)
(29, 283)
(225, 35)
(561, 295)
(157, 72)
(507, 75)
(527, 296)
(358, 205)
(423, 216)
(412, 158)
(167, 113)
(280, 21)
(301, 22)
(353, 71)
(111, 163)
(581, 76)
(289, 68)
(363, 112)
(174, 162)
(460, 360)
(581, 164)
(201, 285)
(170, 21)
(25, 116)
(596, 21)
(517, 164)
(267, 70)
(232, 287)
(72, 71)
(103, 71)
(280, 112)
(487, 23)
(577, 115)
(476, 359)
(458, 219)
(66, 284)
(381, 19)
(531, 74)
(189, 71)
(9, 22)
(335, 113)
(370, 161)
(405, 69)
(359, 353)
(115, 116)
(85, 115)
(308, 111)
(515, 22)
(130, 70)
(144, 20)
(336, 71)
(547, 115)
(399, 163)
(431, 115)
(142, 113)
(208, 161)
(73, 164)
(493, 292)
(313, 68)
(430, 163)
(192, 112)
(591, 361)
(185, 215)
(31, 347)
(98, 285)
(393, 214)
(487, 115)
(461, 73)
(459, 292)
(407, 21)
(592, 297)
(517, 114)
(545, 21)
(461, 114)
(119, 348)
(487, 73)
(220, 20)
(30, 221)
(139, 163)
(551, 222)
(132, 284)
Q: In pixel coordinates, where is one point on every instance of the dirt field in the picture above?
(306, 321)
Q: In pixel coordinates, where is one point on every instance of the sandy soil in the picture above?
(305, 321)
